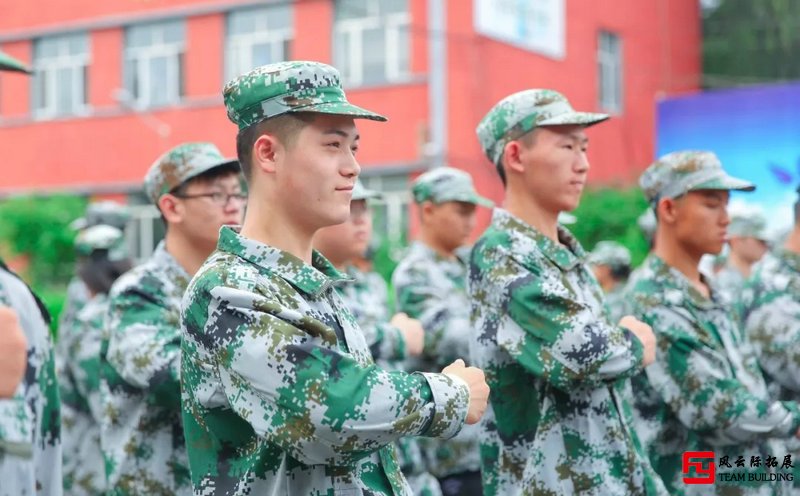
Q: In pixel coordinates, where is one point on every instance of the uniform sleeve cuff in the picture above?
(451, 403)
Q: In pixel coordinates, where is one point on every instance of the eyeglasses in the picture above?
(217, 198)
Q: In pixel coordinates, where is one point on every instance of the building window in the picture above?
(371, 42)
(144, 231)
(154, 63)
(390, 216)
(60, 65)
(257, 37)
(609, 72)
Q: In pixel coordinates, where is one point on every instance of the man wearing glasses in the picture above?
(197, 191)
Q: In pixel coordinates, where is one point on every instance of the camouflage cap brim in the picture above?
(342, 108)
(79, 223)
(574, 118)
(228, 162)
(724, 182)
(466, 197)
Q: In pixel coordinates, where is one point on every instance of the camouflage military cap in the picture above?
(294, 86)
(102, 237)
(103, 212)
(445, 184)
(748, 224)
(677, 173)
(362, 193)
(524, 111)
(180, 164)
(610, 253)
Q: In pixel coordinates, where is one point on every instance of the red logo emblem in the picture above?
(693, 459)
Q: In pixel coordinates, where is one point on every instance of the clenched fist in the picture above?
(478, 389)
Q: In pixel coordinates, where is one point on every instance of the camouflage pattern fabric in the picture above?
(677, 173)
(30, 421)
(77, 297)
(432, 289)
(522, 112)
(178, 165)
(615, 304)
(705, 391)
(560, 418)
(141, 434)
(366, 295)
(772, 319)
(280, 394)
(367, 298)
(293, 86)
(730, 283)
(81, 405)
(446, 184)
(771, 316)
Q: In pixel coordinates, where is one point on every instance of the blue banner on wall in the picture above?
(754, 131)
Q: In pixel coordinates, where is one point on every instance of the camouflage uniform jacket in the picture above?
(772, 320)
(30, 423)
(77, 296)
(560, 417)
(730, 283)
(367, 298)
(280, 394)
(615, 303)
(81, 407)
(141, 434)
(433, 289)
(705, 391)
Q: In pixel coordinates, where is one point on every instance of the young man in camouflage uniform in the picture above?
(197, 191)
(430, 285)
(771, 302)
(366, 295)
(30, 421)
(280, 391)
(104, 257)
(705, 391)
(560, 419)
(107, 213)
(747, 240)
(611, 265)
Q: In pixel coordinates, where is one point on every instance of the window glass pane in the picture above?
(279, 17)
(63, 90)
(393, 6)
(261, 55)
(173, 32)
(374, 55)
(78, 44)
(403, 50)
(157, 85)
(351, 9)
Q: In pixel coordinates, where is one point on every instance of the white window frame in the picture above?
(397, 202)
(141, 57)
(239, 47)
(142, 244)
(78, 64)
(610, 73)
(353, 30)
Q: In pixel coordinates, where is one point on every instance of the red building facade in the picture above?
(118, 82)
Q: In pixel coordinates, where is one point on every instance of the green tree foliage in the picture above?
(750, 42)
(38, 228)
(611, 214)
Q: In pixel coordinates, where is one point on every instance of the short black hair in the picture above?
(285, 127)
(527, 139)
